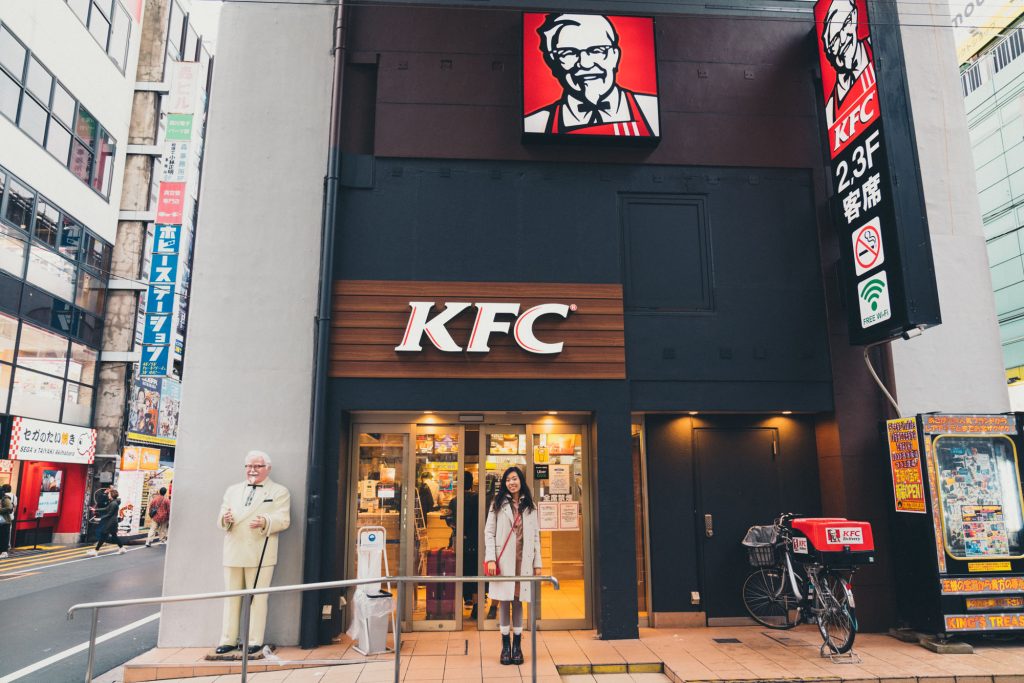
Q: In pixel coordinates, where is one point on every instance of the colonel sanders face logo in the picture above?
(839, 36)
(582, 52)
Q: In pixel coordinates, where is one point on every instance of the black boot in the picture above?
(506, 650)
(517, 649)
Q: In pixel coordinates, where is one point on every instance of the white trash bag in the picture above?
(370, 618)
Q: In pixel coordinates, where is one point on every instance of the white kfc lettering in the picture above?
(847, 128)
(484, 326)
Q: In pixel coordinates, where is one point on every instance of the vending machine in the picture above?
(958, 527)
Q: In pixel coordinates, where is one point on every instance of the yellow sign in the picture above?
(983, 584)
(905, 463)
(995, 603)
(984, 622)
(988, 567)
(140, 458)
(977, 22)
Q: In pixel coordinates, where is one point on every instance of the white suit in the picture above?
(497, 529)
(244, 546)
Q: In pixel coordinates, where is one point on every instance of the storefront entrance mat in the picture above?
(595, 669)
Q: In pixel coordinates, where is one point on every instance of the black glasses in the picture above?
(569, 56)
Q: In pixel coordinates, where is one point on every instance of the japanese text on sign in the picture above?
(970, 424)
(984, 622)
(905, 461)
(987, 584)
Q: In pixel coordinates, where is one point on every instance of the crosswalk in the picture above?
(26, 559)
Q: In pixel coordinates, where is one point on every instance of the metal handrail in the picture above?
(323, 585)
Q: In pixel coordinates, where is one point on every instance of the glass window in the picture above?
(81, 161)
(82, 367)
(19, 204)
(10, 93)
(104, 163)
(33, 119)
(43, 351)
(8, 334)
(5, 385)
(12, 250)
(191, 44)
(85, 127)
(63, 105)
(118, 48)
(99, 27)
(47, 223)
(174, 32)
(81, 8)
(97, 253)
(77, 404)
(36, 395)
(91, 292)
(38, 80)
(51, 272)
(12, 53)
(982, 514)
(70, 236)
(58, 142)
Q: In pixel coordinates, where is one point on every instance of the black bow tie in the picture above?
(252, 492)
(595, 110)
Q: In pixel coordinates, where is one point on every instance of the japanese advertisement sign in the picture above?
(129, 486)
(969, 424)
(589, 76)
(977, 22)
(1012, 621)
(153, 410)
(905, 462)
(49, 492)
(864, 193)
(51, 442)
(139, 458)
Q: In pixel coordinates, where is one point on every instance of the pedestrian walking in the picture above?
(159, 516)
(6, 519)
(106, 529)
(511, 548)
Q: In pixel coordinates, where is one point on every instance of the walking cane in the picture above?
(248, 610)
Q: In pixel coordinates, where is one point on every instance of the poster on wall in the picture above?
(560, 482)
(905, 463)
(590, 77)
(139, 458)
(153, 410)
(129, 486)
(49, 492)
(548, 513)
(51, 442)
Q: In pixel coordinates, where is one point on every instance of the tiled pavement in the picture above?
(687, 655)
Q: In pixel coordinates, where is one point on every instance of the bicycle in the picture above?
(778, 596)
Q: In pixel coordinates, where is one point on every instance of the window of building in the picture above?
(43, 351)
(96, 253)
(48, 114)
(12, 250)
(20, 200)
(109, 24)
(51, 272)
(77, 404)
(8, 337)
(70, 237)
(91, 293)
(47, 223)
(175, 31)
(82, 367)
(36, 395)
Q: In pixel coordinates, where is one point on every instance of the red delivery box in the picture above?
(834, 541)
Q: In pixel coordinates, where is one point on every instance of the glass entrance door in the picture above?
(382, 460)
(436, 544)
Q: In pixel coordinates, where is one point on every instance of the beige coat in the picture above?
(242, 545)
(495, 532)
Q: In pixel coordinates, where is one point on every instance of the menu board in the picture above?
(979, 488)
(506, 444)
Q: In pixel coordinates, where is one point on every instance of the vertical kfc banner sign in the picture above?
(872, 257)
(589, 77)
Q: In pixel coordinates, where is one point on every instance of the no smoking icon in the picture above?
(868, 252)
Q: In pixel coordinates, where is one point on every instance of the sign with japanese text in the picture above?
(1012, 621)
(972, 585)
(170, 205)
(969, 424)
(51, 442)
(589, 77)
(153, 410)
(864, 200)
(139, 458)
(905, 463)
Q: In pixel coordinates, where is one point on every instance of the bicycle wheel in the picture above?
(836, 584)
(769, 599)
(835, 621)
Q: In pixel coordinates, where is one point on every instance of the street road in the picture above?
(35, 595)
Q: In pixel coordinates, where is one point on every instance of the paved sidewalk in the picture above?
(26, 558)
(697, 654)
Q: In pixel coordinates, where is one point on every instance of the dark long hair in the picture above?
(525, 497)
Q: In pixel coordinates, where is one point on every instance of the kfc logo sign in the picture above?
(486, 323)
(589, 75)
(844, 535)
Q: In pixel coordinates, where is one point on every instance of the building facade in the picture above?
(654, 332)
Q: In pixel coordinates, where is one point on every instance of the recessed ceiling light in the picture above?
(428, 412)
(552, 412)
(787, 412)
(693, 412)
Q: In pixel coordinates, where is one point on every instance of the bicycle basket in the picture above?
(762, 547)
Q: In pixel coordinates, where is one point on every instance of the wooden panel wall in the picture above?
(369, 318)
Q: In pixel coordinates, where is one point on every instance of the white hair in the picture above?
(555, 22)
(252, 455)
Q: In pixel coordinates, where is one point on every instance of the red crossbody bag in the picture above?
(497, 562)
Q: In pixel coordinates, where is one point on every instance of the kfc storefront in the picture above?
(600, 248)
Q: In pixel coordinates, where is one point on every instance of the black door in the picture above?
(738, 476)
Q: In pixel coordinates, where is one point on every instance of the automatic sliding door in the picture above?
(380, 472)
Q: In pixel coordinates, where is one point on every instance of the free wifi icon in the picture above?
(872, 291)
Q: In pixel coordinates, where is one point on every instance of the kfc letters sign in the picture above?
(486, 324)
(589, 77)
(51, 442)
(888, 276)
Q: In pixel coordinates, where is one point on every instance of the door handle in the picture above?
(709, 526)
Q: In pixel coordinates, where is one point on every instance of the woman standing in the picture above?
(106, 530)
(511, 548)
